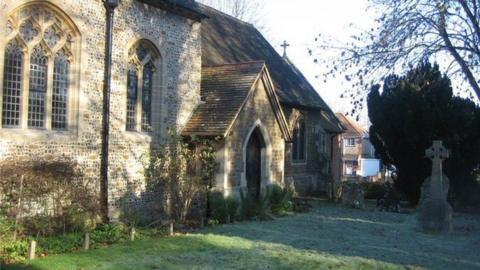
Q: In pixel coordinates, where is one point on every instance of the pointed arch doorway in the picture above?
(255, 155)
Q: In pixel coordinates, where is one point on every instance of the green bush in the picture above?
(219, 207)
(252, 208)
(232, 207)
(108, 234)
(224, 209)
(13, 251)
(280, 199)
(374, 190)
(61, 244)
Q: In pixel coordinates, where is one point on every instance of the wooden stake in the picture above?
(171, 230)
(133, 233)
(86, 242)
(19, 209)
(31, 250)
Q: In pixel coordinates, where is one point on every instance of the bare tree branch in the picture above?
(407, 32)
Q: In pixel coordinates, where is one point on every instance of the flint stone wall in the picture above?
(174, 98)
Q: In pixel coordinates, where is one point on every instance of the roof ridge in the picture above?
(235, 64)
(222, 13)
(356, 126)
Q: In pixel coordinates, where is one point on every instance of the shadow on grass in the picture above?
(328, 237)
(380, 236)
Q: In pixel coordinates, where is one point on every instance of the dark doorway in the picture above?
(254, 163)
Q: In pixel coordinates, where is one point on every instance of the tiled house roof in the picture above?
(226, 39)
(352, 129)
(224, 91)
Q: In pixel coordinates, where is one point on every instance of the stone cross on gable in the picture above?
(437, 153)
(285, 45)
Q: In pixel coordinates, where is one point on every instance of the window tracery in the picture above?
(144, 58)
(37, 38)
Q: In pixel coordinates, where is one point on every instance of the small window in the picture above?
(140, 86)
(350, 142)
(351, 167)
(132, 81)
(299, 142)
(322, 140)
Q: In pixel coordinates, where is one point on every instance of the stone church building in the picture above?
(173, 64)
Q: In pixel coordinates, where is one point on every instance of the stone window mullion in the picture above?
(139, 105)
(25, 90)
(49, 93)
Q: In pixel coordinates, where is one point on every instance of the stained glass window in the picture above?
(132, 81)
(12, 85)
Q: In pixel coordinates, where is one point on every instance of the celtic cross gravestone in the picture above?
(435, 213)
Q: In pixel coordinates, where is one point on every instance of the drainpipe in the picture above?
(110, 6)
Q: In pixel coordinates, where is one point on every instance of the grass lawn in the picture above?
(329, 237)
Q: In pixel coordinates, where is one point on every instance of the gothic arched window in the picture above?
(36, 71)
(299, 141)
(144, 61)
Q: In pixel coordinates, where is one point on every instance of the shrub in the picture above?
(181, 172)
(13, 251)
(232, 207)
(61, 244)
(224, 209)
(218, 207)
(46, 197)
(251, 207)
(108, 234)
(280, 199)
(374, 190)
(390, 201)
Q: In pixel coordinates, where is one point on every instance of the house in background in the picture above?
(358, 153)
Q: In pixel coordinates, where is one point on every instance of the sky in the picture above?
(299, 21)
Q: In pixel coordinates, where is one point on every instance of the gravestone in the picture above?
(435, 213)
(353, 195)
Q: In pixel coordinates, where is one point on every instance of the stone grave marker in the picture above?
(435, 213)
(353, 195)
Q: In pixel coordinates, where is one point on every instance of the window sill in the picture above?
(139, 136)
(35, 134)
